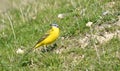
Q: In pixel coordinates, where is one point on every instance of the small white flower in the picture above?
(19, 51)
(62, 38)
(61, 16)
(105, 13)
(89, 24)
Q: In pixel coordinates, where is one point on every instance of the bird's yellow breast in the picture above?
(53, 35)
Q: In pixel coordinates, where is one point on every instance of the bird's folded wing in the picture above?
(44, 37)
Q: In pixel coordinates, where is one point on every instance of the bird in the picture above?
(49, 37)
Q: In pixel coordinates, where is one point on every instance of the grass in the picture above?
(26, 23)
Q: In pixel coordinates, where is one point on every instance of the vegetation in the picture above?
(26, 21)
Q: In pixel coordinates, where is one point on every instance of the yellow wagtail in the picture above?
(50, 36)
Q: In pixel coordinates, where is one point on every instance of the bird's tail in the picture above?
(37, 45)
(29, 51)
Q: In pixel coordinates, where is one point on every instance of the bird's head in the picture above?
(55, 25)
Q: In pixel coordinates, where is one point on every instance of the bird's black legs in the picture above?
(49, 48)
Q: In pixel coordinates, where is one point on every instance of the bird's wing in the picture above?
(44, 37)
